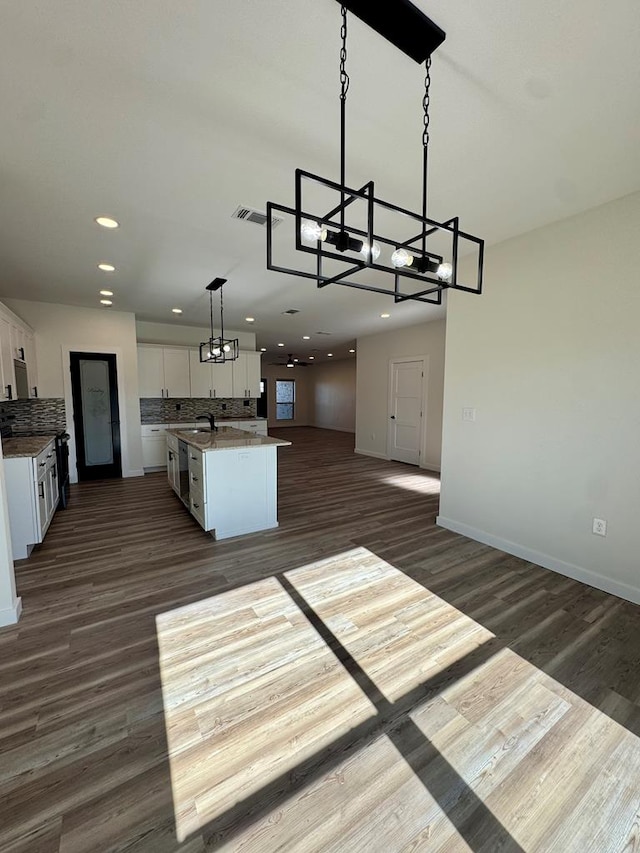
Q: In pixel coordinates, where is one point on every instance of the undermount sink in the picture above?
(196, 430)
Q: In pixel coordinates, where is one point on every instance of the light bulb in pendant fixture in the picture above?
(445, 271)
(401, 258)
(375, 251)
(312, 231)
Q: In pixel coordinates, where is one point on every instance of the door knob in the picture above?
(393, 417)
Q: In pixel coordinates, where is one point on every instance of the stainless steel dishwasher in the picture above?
(183, 458)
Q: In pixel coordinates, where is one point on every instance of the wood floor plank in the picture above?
(357, 679)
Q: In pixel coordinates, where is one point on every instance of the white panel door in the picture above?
(406, 405)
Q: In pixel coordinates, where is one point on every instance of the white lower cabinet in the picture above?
(257, 426)
(154, 444)
(32, 496)
(231, 491)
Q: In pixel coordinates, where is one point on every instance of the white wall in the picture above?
(549, 356)
(187, 336)
(372, 397)
(303, 405)
(334, 395)
(60, 328)
(10, 604)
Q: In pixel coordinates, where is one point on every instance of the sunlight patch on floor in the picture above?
(424, 484)
(399, 632)
(250, 690)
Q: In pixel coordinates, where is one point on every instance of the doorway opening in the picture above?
(261, 403)
(96, 415)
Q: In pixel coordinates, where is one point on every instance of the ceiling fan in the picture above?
(292, 362)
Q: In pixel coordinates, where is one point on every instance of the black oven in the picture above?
(62, 460)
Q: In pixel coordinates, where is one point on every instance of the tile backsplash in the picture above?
(155, 410)
(44, 415)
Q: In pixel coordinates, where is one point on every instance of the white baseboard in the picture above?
(430, 466)
(577, 573)
(136, 472)
(334, 428)
(10, 615)
(371, 453)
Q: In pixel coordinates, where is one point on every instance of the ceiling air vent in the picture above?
(249, 214)
(323, 333)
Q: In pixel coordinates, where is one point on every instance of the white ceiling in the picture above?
(168, 114)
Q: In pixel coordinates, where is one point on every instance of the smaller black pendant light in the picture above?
(220, 349)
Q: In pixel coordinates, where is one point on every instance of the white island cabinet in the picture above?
(32, 490)
(228, 479)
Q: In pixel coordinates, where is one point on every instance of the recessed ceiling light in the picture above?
(311, 357)
(106, 267)
(107, 222)
(280, 345)
(177, 310)
(106, 293)
(306, 337)
(385, 316)
(263, 349)
(329, 354)
(250, 319)
(106, 302)
(351, 350)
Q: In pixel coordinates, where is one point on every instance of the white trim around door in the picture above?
(407, 408)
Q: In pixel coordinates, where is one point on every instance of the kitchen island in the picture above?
(226, 478)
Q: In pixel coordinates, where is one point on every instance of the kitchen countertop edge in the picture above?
(229, 439)
(28, 445)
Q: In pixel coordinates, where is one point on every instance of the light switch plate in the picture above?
(468, 413)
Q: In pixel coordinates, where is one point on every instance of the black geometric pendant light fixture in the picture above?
(341, 243)
(219, 349)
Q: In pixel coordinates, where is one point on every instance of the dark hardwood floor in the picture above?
(356, 680)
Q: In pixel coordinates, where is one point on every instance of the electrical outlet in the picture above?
(468, 414)
(599, 527)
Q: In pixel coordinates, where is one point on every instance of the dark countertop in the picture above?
(26, 445)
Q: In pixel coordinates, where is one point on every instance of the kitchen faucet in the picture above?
(208, 417)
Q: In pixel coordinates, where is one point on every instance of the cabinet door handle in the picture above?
(41, 490)
(35, 391)
(170, 456)
(9, 394)
(155, 430)
(195, 479)
(195, 458)
(43, 464)
(196, 506)
(49, 455)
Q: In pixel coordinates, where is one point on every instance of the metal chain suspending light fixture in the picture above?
(411, 259)
(219, 349)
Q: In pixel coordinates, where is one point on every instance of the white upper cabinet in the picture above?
(223, 379)
(246, 375)
(176, 372)
(201, 375)
(17, 341)
(163, 372)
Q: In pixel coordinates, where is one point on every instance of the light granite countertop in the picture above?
(226, 438)
(25, 445)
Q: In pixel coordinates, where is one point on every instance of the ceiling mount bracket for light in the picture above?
(218, 350)
(401, 23)
(421, 260)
